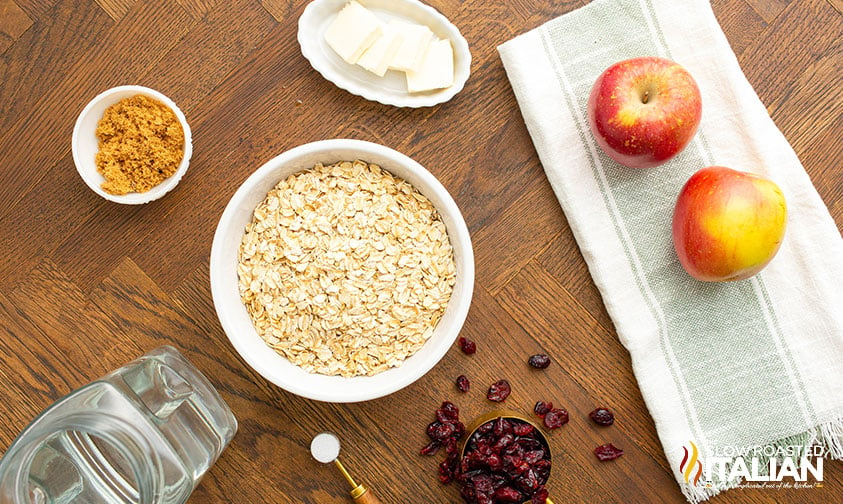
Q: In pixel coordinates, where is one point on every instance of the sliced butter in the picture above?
(377, 58)
(436, 70)
(353, 31)
(414, 41)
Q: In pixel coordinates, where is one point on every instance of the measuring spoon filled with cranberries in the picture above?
(505, 458)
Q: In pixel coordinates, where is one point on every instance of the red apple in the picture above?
(727, 224)
(643, 111)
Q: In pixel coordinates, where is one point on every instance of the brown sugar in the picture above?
(141, 143)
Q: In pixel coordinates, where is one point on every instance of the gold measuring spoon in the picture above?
(325, 448)
(508, 415)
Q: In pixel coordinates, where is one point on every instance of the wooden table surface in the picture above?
(87, 285)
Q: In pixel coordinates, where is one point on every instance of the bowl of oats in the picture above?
(131, 144)
(342, 270)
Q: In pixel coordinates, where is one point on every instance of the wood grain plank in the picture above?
(817, 83)
(35, 9)
(86, 338)
(744, 24)
(810, 30)
(13, 22)
(768, 9)
(564, 262)
(511, 238)
(278, 9)
(821, 156)
(529, 10)
(32, 376)
(116, 9)
(44, 55)
(38, 225)
(198, 8)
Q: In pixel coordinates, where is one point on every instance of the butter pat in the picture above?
(377, 58)
(353, 31)
(414, 41)
(436, 70)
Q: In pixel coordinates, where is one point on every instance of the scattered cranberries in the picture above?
(499, 391)
(463, 384)
(467, 346)
(539, 361)
(445, 431)
(555, 418)
(607, 451)
(602, 416)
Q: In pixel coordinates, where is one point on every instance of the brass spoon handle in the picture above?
(364, 496)
(360, 493)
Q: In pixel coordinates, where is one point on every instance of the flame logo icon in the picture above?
(690, 462)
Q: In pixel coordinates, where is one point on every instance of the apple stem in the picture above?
(646, 97)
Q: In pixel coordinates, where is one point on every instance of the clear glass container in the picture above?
(145, 433)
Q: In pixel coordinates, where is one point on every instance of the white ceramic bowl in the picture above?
(85, 145)
(391, 89)
(235, 319)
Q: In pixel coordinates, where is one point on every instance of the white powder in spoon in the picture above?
(325, 447)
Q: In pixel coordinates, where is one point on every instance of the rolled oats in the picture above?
(345, 269)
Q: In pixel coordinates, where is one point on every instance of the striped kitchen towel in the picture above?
(736, 373)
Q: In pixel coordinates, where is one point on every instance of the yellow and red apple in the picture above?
(727, 224)
(644, 111)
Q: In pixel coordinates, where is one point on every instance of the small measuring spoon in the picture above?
(325, 448)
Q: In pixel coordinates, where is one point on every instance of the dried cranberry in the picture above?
(467, 346)
(431, 448)
(445, 474)
(541, 408)
(607, 451)
(542, 468)
(533, 456)
(555, 418)
(602, 416)
(522, 429)
(540, 496)
(494, 461)
(499, 391)
(508, 494)
(439, 431)
(539, 361)
(463, 384)
(448, 412)
(501, 426)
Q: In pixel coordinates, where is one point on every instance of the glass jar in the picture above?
(145, 433)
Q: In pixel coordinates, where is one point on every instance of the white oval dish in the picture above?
(85, 144)
(391, 89)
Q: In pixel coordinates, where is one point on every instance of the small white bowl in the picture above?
(238, 325)
(86, 146)
(391, 89)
